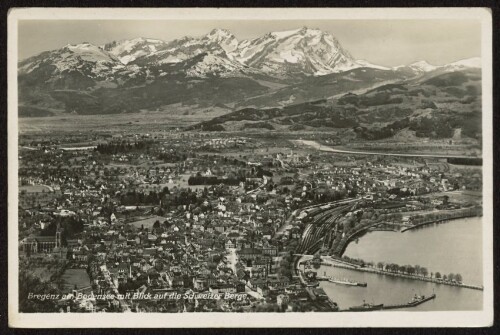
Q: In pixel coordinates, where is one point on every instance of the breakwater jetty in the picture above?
(418, 300)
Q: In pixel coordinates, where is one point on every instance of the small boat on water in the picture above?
(346, 282)
(342, 281)
(366, 307)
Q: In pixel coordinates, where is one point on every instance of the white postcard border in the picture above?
(230, 320)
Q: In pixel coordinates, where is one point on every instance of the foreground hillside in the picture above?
(447, 105)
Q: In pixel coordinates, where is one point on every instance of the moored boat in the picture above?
(341, 281)
(345, 282)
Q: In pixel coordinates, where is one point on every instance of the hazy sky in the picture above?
(384, 42)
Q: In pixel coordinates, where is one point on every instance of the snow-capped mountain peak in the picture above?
(75, 66)
(303, 50)
(219, 34)
(422, 66)
(73, 56)
(224, 38)
(283, 34)
(474, 62)
(87, 52)
(130, 50)
(295, 52)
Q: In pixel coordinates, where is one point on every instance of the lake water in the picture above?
(454, 246)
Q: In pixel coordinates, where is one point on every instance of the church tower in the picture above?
(58, 236)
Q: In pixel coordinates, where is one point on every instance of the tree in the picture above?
(438, 275)
(212, 265)
(424, 271)
(156, 224)
(451, 277)
(285, 272)
(31, 284)
(458, 277)
(380, 265)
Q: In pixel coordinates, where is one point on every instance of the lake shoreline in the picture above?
(438, 221)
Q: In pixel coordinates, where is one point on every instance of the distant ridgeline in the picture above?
(466, 161)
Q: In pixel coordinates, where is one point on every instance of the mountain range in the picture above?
(277, 69)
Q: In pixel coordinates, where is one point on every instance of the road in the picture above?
(233, 259)
(318, 146)
(258, 188)
(107, 275)
(253, 293)
(285, 224)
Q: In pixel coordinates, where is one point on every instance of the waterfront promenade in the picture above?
(344, 265)
(329, 261)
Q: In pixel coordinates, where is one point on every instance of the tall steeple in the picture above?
(58, 236)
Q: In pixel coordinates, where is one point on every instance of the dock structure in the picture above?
(410, 304)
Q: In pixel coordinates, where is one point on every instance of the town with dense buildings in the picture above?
(193, 221)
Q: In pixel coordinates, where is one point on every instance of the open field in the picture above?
(168, 118)
(182, 182)
(461, 196)
(148, 222)
(471, 168)
(34, 188)
(75, 277)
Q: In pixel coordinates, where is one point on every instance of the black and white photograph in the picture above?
(245, 167)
